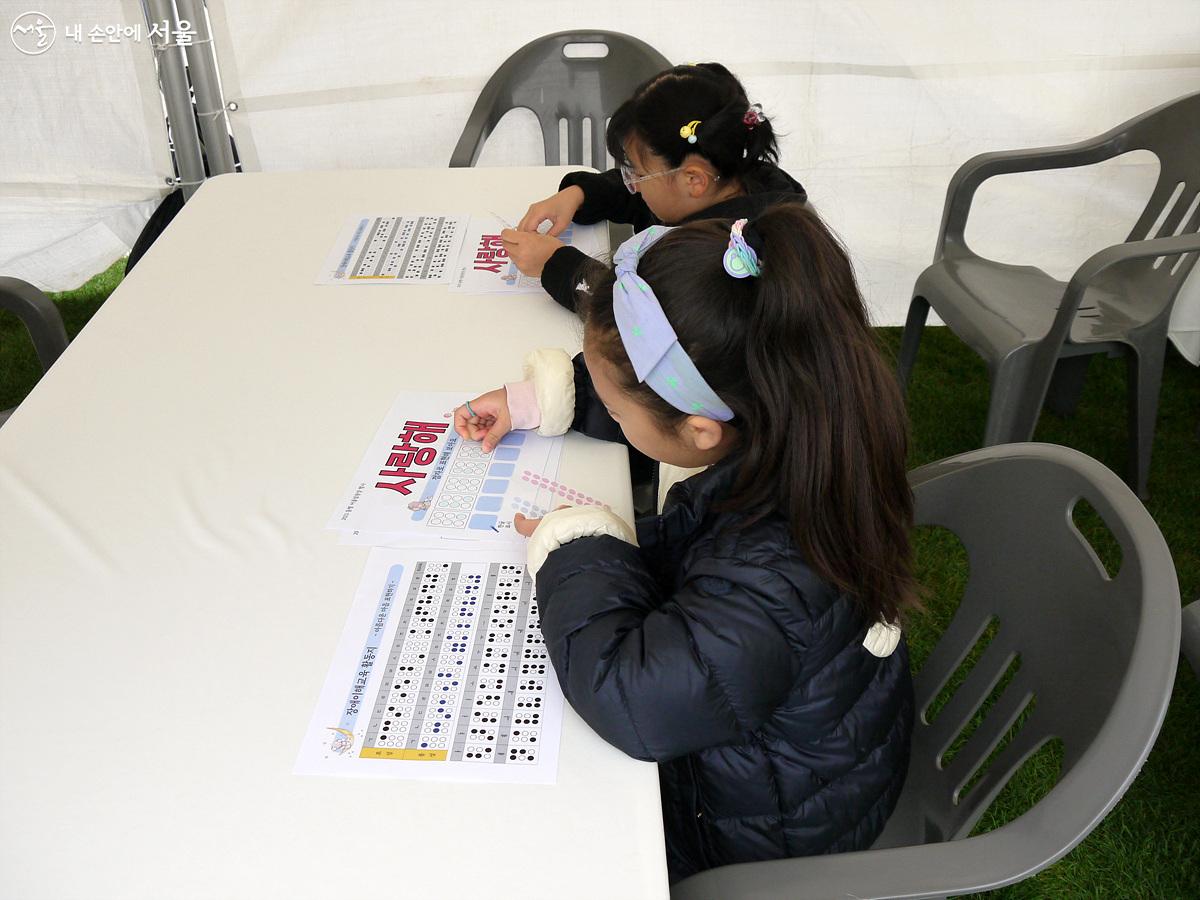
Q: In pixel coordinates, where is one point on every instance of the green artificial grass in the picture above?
(1149, 845)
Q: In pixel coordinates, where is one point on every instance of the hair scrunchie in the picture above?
(741, 259)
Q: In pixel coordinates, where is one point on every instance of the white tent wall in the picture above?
(877, 103)
(83, 144)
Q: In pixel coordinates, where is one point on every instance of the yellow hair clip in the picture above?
(689, 131)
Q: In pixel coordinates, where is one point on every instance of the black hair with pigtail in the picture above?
(822, 434)
(732, 134)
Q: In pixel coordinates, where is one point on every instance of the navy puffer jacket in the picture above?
(713, 649)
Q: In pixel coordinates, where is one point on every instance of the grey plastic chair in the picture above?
(40, 316)
(1029, 327)
(1097, 656)
(542, 78)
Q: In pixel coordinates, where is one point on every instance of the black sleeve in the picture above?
(591, 418)
(605, 198)
(660, 673)
(563, 272)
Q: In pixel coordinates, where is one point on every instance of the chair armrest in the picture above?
(1097, 263)
(978, 169)
(39, 315)
(1109, 256)
(973, 864)
(1015, 851)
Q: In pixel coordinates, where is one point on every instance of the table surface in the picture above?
(171, 601)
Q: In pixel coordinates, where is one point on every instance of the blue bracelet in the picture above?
(471, 411)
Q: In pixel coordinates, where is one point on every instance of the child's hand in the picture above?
(490, 421)
(558, 210)
(525, 526)
(529, 250)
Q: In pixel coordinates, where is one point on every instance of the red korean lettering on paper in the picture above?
(405, 459)
(491, 255)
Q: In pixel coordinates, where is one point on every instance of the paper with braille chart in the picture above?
(441, 674)
(420, 481)
(408, 248)
(465, 252)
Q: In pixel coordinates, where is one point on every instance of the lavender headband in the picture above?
(650, 341)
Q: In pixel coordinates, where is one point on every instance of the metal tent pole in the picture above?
(173, 78)
(210, 106)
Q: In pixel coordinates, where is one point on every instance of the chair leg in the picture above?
(1016, 399)
(1145, 381)
(910, 340)
(1066, 384)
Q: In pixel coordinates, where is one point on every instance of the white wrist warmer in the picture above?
(553, 379)
(565, 525)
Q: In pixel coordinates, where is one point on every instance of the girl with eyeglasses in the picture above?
(748, 638)
(688, 144)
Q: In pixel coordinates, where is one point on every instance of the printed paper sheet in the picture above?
(409, 248)
(420, 480)
(484, 266)
(441, 674)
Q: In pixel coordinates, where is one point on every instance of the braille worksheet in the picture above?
(407, 248)
(441, 673)
(465, 252)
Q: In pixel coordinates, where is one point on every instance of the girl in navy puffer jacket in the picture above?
(748, 638)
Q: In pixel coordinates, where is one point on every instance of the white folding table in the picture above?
(170, 601)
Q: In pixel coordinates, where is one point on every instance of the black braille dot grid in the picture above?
(425, 647)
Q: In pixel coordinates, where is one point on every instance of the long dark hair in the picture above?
(822, 432)
(708, 92)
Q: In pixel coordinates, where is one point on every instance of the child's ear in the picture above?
(703, 433)
(698, 180)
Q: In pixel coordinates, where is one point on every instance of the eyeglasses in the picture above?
(630, 179)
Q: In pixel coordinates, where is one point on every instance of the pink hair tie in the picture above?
(754, 116)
